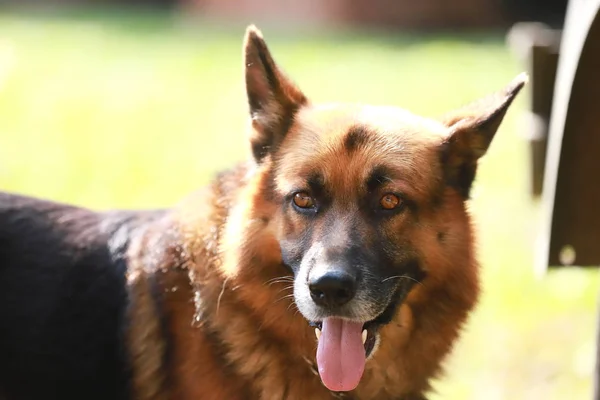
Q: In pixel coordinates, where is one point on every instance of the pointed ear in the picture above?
(272, 97)
(471, 130)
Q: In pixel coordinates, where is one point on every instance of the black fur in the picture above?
(316, 183)
(63, 299)
(414, 275)
(378, 177)
(459, 177)
(356, 137)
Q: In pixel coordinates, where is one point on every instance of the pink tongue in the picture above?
(341, 354)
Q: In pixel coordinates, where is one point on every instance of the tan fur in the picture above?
(145, 340)
(231, 327)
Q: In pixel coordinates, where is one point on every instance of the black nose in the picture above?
(333, 288)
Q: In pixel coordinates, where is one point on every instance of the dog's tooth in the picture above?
(318, 333)
(364, 336)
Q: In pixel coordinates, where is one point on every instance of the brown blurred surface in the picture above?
(383, 13)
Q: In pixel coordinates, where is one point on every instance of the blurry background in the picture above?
(137, 103)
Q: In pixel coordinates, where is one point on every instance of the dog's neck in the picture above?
(243, 307)
(251, 297)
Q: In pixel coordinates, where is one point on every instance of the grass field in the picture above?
(136, 111)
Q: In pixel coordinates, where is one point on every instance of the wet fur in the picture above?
(197, 302)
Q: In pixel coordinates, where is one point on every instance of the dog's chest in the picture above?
(301, 381)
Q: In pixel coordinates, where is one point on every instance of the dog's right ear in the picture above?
(471, 130)
(273, 98)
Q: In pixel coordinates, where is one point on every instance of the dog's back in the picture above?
(62, 300)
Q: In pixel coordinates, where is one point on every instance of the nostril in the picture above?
(333, 288)
(318, 294)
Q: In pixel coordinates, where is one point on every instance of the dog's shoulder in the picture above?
(172, 287)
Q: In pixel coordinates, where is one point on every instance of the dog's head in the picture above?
(363, 197)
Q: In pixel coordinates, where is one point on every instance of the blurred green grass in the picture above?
(127, 110)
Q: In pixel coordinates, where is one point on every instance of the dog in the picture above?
(338, 262)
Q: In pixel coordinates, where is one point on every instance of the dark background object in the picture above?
(537, 45)
(569, 164)
(551, 12)
(389, 14)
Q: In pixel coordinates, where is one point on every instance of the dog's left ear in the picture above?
(471, 130)
(272, 97)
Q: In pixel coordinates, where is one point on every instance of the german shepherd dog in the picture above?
(337, 263)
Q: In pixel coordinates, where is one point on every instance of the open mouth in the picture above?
(368, 335)
(343, 348)
(344, 345)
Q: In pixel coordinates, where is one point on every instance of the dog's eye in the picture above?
(303, 200)
(390, 201)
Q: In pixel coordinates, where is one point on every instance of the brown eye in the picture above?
(390, 201)
(303, 200)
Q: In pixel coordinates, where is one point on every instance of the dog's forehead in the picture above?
(345, 143)
(333, 121)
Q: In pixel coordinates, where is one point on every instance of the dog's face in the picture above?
(363, 195)
(353, 195)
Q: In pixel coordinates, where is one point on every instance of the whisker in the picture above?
(221, 295)
(402, 276)
(279, 279)
(286, 288)
(292, 304)
(287, 296)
